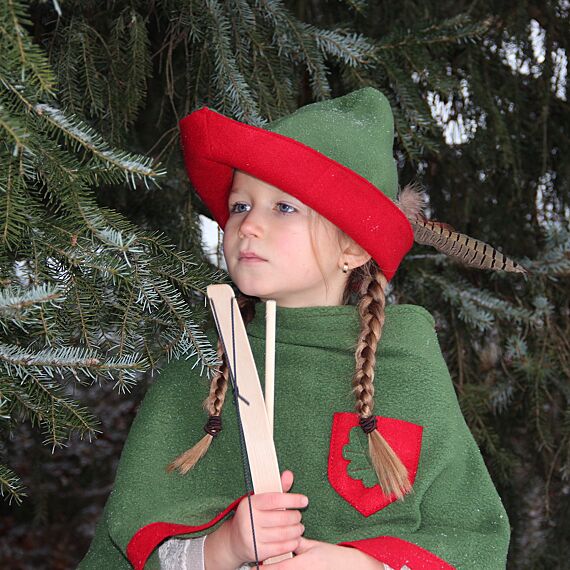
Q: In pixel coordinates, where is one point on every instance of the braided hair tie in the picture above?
(213, 426)
(368, 424)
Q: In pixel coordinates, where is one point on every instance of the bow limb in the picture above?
(260, 448)
(270, 313)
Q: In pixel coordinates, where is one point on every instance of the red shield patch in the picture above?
(405, 438)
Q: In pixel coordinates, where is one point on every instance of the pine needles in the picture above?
(86, 297)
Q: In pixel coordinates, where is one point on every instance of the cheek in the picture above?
(229, 234)
(326, 239)
(294, 243)
(297, 253)
(229, 247)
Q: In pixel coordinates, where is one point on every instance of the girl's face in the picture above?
(268, 247)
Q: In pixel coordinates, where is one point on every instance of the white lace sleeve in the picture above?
(184, 554)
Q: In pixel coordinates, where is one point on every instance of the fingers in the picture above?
(279, 540)
(278, 518)
(287, 480)
(277, 521)
(272, 501)
(280, 534)
(277, 549)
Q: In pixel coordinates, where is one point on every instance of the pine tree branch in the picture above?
(13, 17)
(11, 487)
(85, 137)
(16, 301)
(353, 49)
(452, 30)
(302, 48)
(229, 79)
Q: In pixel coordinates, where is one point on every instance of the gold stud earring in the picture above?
(345, 268)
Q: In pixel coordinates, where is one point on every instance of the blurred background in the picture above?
(105, 252)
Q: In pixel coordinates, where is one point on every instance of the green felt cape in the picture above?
(453, 518)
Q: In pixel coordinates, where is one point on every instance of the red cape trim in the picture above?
(397, 553)
(147, 538)
(213, 145)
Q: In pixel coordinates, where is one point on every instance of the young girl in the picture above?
(311, 219)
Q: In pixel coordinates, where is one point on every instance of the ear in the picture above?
(353, 254)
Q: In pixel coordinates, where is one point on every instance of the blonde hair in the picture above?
(369, 284)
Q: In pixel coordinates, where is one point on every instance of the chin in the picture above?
(252, 290)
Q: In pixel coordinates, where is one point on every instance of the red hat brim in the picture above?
(214, 145)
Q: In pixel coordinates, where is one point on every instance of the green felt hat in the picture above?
(356, 130)
(335, 156)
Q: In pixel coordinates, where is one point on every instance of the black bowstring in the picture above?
(236, 394)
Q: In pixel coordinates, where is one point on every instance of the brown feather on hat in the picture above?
(443, 237)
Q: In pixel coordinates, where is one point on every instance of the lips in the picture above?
(250, 256)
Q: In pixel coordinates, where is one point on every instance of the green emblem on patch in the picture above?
(356, 451)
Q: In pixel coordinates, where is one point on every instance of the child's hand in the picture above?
(318, 555)
(277, 531)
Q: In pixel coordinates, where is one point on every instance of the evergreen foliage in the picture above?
(480, 102)
(86, 296)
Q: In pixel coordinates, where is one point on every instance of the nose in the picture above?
(252, 225)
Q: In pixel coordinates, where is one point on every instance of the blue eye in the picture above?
(285, 208)
(238, 208)
(244, 207)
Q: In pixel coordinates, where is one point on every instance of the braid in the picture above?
(391, 472)
(218, 386)
(214, 403)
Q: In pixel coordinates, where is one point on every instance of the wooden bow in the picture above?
(251, 413)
